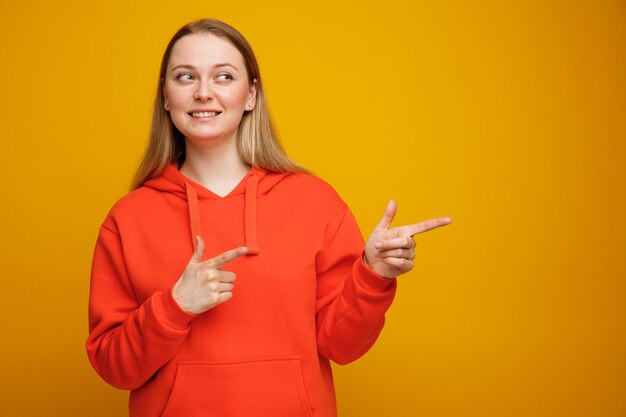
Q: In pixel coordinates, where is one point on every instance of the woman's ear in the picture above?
(252, 96)
(166, 104)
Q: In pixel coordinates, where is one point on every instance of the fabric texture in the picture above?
(302, 297)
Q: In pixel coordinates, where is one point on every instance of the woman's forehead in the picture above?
(205, 49)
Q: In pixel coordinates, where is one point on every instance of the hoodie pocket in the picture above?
(268, 387)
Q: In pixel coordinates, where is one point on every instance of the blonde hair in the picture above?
(257, 140)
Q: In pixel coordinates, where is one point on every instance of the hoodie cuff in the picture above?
(370, 281)
(173, 314)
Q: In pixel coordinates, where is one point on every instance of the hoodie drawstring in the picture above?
(194, 213)
(250, 230)
(250, 215)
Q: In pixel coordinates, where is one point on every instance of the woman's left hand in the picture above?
(390, 251)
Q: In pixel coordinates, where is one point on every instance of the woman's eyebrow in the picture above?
(184, 67)
(226, 64)
(191, 67)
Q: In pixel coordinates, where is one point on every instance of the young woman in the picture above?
(224, 283)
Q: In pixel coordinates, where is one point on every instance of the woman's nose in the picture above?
(203, 91)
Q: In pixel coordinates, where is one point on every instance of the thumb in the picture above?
(198, 253)
(390, 212)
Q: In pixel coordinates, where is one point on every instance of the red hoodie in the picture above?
(302, 296)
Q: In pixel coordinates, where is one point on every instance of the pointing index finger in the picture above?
(424, 226)
(222, 260)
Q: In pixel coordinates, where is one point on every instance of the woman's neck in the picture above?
(217, 167)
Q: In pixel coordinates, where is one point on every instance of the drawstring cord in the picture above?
(250, 215)
(194, 213)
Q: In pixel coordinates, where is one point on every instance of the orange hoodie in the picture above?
(302, 296)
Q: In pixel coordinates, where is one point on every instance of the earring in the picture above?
(166, 105)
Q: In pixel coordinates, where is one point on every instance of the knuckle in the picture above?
(213, 298)
(212, 274)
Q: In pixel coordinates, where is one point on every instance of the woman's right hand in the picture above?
(203, 284)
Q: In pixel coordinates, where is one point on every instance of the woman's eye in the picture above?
(224, 77)
(184, 77)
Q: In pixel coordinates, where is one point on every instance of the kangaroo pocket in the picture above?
(269, 387)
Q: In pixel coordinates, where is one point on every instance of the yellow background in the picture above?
(509, 116)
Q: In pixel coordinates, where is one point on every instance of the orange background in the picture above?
(509, 116)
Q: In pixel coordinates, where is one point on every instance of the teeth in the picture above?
(204, 114)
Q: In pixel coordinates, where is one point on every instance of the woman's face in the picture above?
(206, 88)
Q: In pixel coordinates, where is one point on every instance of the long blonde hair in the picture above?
(257, 140)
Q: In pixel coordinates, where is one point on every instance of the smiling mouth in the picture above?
(204, 114)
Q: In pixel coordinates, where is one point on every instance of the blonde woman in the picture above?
(226, 281)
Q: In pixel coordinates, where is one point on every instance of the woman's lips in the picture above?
(204, 114)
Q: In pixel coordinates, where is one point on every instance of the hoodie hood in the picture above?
(257, 182)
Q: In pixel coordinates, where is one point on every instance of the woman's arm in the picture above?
(351, 298)
(356, 284)
(129, 341)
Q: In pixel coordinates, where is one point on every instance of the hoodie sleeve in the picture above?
(351, 298)
(128, 342)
